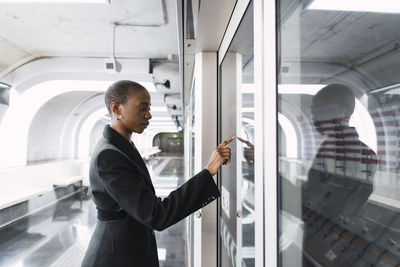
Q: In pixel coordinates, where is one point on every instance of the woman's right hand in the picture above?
(221, 155)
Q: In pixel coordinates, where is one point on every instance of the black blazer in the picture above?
(129, 210)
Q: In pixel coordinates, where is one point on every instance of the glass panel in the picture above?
(237, 119)
(191, 133)
(338, 134)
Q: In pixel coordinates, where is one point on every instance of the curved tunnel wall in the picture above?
(36, 82)
(96, 133)
(46, 129)
(14, 129)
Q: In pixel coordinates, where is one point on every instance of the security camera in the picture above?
(112, 65)
(163, 85)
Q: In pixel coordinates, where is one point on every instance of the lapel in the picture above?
(128, 149)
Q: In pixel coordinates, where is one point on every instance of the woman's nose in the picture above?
(148, 115)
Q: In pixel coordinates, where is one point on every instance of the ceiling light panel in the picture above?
(385, 6)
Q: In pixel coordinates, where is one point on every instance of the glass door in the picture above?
(236, 102)
(339, 133)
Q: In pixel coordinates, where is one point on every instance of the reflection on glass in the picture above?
(338, 136)
(248, 152)
(191, 172)
(237, 216)
(339, 181)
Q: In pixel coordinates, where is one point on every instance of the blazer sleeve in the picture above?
(127, 186)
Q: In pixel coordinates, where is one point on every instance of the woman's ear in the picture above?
(114, 106)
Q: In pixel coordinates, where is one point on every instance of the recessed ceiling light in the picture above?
(385, 6)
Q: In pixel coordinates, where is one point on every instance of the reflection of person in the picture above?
(339, 180)
(248, 151)
(128, 209)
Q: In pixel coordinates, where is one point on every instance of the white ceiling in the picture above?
(145, 29)
(327, 46)
(49, 29)
(210, 23)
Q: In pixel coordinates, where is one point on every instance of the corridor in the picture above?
(58, 235)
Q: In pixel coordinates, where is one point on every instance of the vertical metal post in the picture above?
(205, 74)
(266, 153)
(259, 133)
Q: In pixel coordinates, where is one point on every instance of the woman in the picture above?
(128, 209)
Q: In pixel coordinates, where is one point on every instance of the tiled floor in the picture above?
(58, 235)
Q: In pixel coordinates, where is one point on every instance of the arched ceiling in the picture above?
(83, 32)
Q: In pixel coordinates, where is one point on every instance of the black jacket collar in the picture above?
(124, 145)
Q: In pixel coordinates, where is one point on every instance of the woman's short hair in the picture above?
(119, 91)
(334, 99)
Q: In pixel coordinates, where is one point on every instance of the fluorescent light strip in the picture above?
(55, 1)
(158, 109)
(247, 88)
(306, 89)
(248, 110)
(160, 118)
(383, 6)
(162, 123)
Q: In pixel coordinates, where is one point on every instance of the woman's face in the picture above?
(136, 111)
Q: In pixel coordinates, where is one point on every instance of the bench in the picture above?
(66, 181)
(18, 196)
(27, 189)
(21, 194)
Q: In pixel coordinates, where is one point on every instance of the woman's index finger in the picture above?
(226, 142)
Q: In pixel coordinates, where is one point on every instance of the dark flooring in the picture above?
(58, 235)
